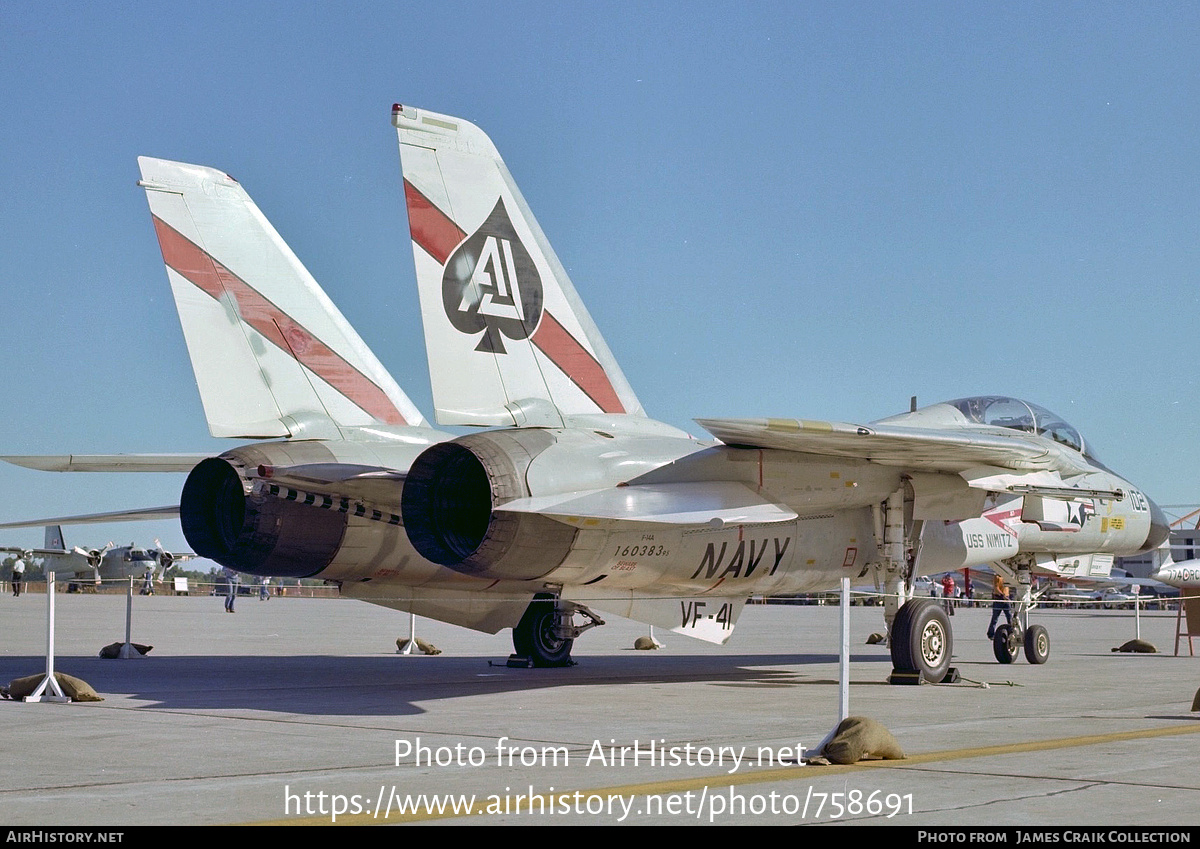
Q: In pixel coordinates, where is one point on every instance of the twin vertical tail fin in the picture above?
(508, 339)
(273, 356)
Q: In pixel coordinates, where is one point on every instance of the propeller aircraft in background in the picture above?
(108, 563)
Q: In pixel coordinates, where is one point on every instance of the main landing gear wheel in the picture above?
(1006, 643)
(1037, 644)
(921, 640)
(534, 635)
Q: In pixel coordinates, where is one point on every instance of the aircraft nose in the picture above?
(1160, 528)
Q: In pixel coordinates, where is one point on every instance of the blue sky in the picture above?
(789, 209)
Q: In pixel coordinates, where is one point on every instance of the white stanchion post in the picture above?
(127, 650)
(654, 641)
(844, 657)
(49, 682)
(412, 634)
(843, 667)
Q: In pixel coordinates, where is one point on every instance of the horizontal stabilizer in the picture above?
(44, 552)
(704, 503)
(107, 462)
(66, 564)
(149, 514)
(949, 450)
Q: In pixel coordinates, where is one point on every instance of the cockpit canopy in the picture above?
(1013, 413)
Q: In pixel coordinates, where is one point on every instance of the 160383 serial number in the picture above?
(641, 551)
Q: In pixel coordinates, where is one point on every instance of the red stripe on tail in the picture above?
(209, 275)
(564, 350)
(431, 228)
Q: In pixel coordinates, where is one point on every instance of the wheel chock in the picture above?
(911, 678)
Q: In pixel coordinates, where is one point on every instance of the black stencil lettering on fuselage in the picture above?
(491, 285)
(739, 565)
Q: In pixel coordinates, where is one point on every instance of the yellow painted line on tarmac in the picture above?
(496, 804)
(1041, 745)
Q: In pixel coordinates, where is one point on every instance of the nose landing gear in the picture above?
(1009, 639)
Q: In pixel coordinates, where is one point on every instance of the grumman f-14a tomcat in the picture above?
(574, 501)
(593, 504)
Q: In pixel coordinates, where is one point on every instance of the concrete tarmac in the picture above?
(300, 711)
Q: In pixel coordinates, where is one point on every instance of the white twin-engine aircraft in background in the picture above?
(575, 501)
(110, 562)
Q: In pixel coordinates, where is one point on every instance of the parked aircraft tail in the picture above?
(54, 538)
(273, 356)
(508, 339)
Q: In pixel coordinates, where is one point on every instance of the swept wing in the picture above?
(931, 449)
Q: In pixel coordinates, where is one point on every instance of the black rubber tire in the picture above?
(1037, 644)
(533, 637)
(922, 641)
(1004, 644)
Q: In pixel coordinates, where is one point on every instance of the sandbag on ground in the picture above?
(113, 650)
(76, 689)
(859, 737)
(1138, 647)
(424, 647)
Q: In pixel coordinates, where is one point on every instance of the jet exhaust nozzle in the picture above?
(450, 495)
(255, 534)
(212, 509)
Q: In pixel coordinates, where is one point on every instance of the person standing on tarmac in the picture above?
(1000, 604)
(948, 591)
(234, 580)
(18, 576)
